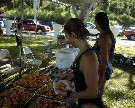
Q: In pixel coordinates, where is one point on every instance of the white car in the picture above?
(2, 23)
(91, 28)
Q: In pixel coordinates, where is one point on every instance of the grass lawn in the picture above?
(120, 89)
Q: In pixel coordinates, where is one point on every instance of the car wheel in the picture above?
(128, 37)
(39, 31)
(132, 37)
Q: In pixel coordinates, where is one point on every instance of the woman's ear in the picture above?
(73, 35)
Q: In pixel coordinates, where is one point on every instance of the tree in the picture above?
(123, 12)
(60, 12)
(84, 11)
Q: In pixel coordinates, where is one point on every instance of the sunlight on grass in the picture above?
(115, 82)
(125, 50)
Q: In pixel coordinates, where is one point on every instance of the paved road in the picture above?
(124, 41)
(121, 41)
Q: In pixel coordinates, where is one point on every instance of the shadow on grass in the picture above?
(115, 95)
(112, 95)
(130, 70)
(118, 95)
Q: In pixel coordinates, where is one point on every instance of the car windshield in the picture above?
(41, 22)
(132, 29)
(90, 25)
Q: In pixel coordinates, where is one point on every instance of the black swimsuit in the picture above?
(80, 84)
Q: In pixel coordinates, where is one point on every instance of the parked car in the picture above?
(50, 24)
(2, 24)
(14, 23)
(91, 28)
(129, 33)
(31, 25)
(2, 21)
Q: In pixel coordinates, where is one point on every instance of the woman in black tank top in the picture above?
(85, 66)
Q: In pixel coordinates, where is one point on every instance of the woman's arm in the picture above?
(111, 54)
(103, 44)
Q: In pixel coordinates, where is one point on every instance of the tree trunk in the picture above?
(75, 11)
(41, 3)
(85, 8)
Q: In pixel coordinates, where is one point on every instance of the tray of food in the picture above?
(55, 70)
(56, 73)
(48, 91)
(14, 97)
(42, 102)
(33, 81)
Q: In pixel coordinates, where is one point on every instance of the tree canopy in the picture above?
(120, 12)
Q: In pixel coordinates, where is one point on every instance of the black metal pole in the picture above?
(20, 55)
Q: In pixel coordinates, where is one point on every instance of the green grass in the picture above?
(120, 89)
(125, 50)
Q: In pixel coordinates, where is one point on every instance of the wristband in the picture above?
(69, 93)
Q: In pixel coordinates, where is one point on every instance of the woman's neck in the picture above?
(83, 45)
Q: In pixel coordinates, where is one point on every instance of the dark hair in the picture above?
(102, 19)
(77, 26)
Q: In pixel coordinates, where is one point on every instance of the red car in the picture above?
(129, 33)
(32, 25)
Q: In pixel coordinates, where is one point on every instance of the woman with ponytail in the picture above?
(104, 48)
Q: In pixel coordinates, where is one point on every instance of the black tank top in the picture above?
(80, 84)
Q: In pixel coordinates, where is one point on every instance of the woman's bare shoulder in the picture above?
(103, 38)
(89, 56)
(89, 62)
